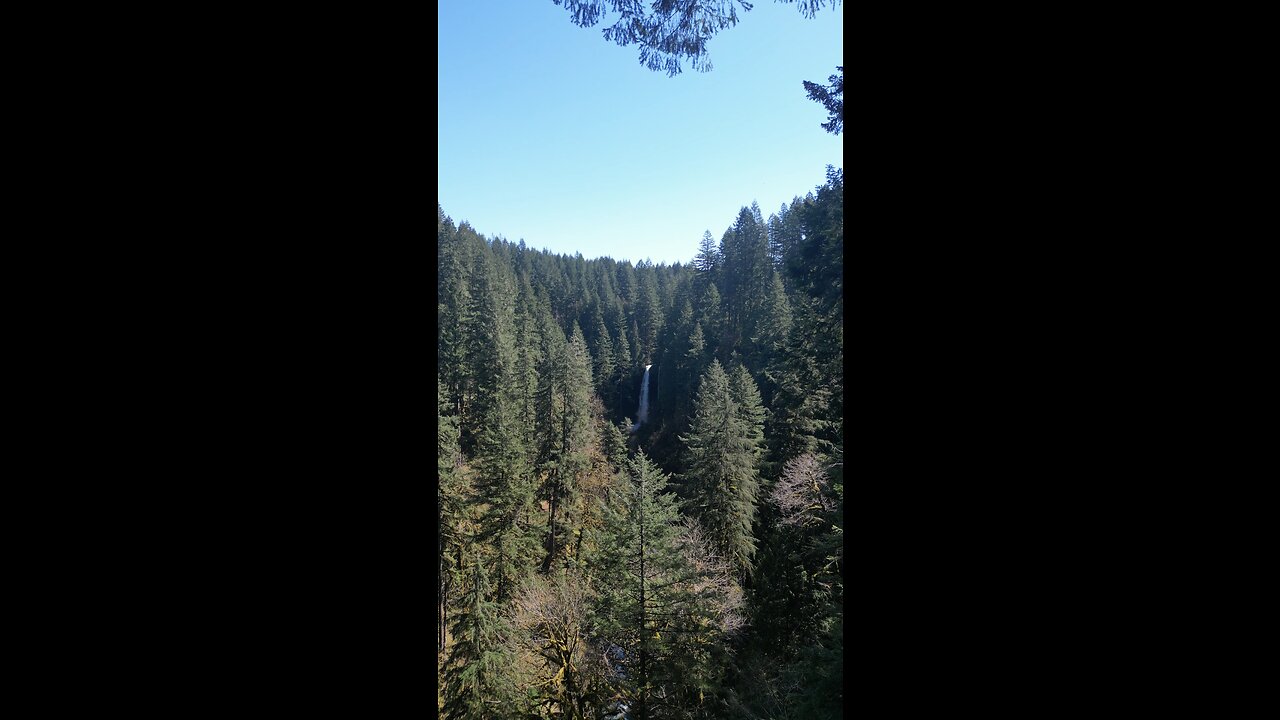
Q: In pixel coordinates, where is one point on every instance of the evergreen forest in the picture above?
(680, 555)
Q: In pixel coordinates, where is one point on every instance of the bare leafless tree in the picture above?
(712, 578)
(549, 617)
(803, 492)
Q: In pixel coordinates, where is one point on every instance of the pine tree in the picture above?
(663, 594)
(745, 249)
(528, 358)
(490, 343)
(573, 381)
(548, 403)
(778, 233)
(772, 334)
(477, 682)
(824, 247)
(746, 397)
(504, 482)
(637, 349)
(720, 478)
(615, 443)
(453, 314)
(447, 458)
(627, 288)
(709, 313)
(622, 355)
(648, 316)
(449, 499)
(637, 551)
(620, 382)
(798, 414)
(707, 261)
(696, 355)
(602, 351)
(671, 404)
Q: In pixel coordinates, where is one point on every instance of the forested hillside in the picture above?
(690, 566)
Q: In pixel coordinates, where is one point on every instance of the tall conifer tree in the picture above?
(450, 500)
(663, 595)
(477, 681)
(504, 481)
(771, 334)
(602, 352)
(746, 397)
(574, 387)
(453, 313)
(720, 478)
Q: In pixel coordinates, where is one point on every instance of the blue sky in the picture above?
(550, 134)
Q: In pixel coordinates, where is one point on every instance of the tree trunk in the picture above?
(551, 525)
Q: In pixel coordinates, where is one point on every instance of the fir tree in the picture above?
(663, 594)
(627, 288)
(771, 333)
(746, 397)
(721, 478)
(528, 359)
(614, 441)
(549, 405)
(477, 681)
(619, 383)
(447, 458)
(573, 381)
(622, 355)
(637, 349)
(453, 313)
(637, 551)
(696, 355)
(709, 313)
(602, 350)
(830, 97)
(504, 482)
(708, 259)
(798, 414)
(449, 500)
(649, 317)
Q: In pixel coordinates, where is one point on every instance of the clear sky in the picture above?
(550, 134)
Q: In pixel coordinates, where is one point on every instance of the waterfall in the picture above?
(643, 413)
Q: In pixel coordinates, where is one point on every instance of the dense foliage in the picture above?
(669, 31)
(830, 97)
(690, 567)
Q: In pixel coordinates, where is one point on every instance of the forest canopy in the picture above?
(672, 555)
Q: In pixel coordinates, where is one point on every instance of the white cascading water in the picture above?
(643, 413)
